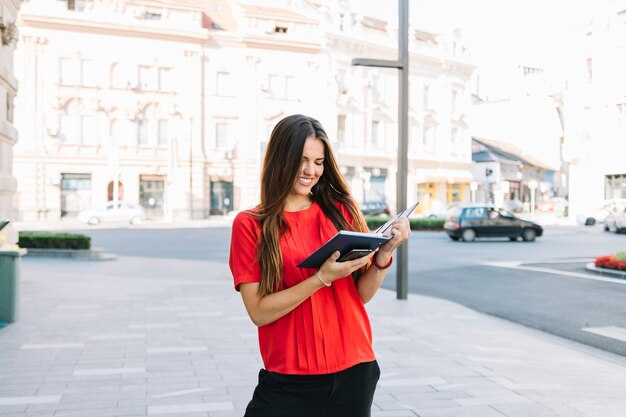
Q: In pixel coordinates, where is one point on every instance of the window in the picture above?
(341, 128)
(117, 76)
(589, 70)
(453, 102)
(142, 131)
(290, 88)
(68, 71)
(429, 139)
(377, 138)
(163, 138)
(88, 73)
(276, 86)
(68, 132)
(89, 130)
(152, 16)
(224, 84)
(165, 79)
(78, 5)
(221, 135)
(280, 29)
(342, 86)
(426, 97)
(147, 78)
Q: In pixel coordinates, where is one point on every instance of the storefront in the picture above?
(75, 193)
(151, 195)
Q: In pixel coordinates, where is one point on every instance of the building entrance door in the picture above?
(75, 193)
(221, 198)
(151, 195)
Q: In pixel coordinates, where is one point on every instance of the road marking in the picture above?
(613, 332)
(518, 265)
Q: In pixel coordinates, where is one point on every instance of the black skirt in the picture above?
(348, 393)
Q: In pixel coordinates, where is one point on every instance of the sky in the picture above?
(498, 32)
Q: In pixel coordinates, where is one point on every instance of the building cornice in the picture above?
(121, 29)
(282, 44)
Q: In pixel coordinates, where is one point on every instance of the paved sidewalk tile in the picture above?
(156, 337)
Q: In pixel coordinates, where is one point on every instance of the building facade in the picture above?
(173, 108)
(595, 104)
(8, 91)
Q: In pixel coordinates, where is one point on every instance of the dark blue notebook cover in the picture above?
(344, 242)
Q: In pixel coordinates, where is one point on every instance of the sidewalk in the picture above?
(147, 336)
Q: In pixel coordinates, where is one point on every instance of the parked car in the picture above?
(442, 213)
(469, 222)
(598, 215)
(616, 221)
(375, 208)
(120, 212)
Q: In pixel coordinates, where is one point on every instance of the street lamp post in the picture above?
(402, 64)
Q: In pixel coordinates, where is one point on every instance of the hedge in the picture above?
(416, 224)
(52, 240)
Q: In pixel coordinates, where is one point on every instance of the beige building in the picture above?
(176, 100)
(8, 91)
(595, 104)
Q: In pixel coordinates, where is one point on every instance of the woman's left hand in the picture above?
(400, 230)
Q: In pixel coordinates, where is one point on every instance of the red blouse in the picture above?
(330, 331)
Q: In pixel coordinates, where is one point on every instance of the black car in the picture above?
(469, 222)
(375, 208)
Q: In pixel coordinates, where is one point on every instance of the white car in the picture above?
(598, 215)
(120, 212)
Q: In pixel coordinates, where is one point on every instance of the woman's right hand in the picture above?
(332, 270)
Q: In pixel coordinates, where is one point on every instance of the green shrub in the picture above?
(416, 224)
(621, 256)
(52, 240)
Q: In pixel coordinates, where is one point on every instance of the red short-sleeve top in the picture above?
(330, 331)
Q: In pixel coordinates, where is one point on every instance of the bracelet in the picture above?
(379, 267)
(326, 284)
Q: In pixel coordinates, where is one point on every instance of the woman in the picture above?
(314, 333)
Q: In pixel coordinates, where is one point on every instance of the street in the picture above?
(573, 306)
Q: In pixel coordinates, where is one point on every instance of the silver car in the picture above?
(113, 212)
(599, 215)
(616, 220)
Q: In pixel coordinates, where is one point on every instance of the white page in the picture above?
(385, 229)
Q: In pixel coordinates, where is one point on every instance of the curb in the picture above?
(604, 271)
(94, 254)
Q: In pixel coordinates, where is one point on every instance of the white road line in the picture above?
(518, 265)
(613, 332)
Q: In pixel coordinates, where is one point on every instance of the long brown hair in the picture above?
(283, 158)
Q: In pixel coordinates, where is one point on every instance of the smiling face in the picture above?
(311, 168)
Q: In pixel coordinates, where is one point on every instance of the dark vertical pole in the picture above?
(402, 271)
(402, 64)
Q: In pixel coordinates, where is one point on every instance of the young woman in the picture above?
(314, 333)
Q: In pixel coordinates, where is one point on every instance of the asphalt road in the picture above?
(484, 275)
